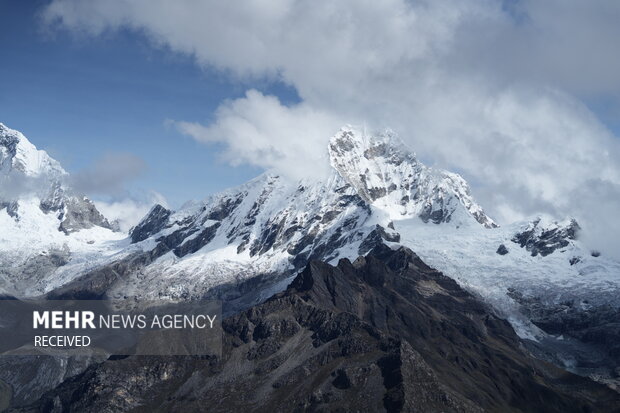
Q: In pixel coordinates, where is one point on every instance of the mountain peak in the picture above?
(31, 180)
(387, 175)
(353, 141)
(18, 154)
(363, 159)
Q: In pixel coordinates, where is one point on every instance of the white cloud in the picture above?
(260, 130)
(128, 212)
(323, 45)
(492, 89)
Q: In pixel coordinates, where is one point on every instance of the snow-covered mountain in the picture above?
(44, 225)
(386, 175)
(246, 243)
(270, 227)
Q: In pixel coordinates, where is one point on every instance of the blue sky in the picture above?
(80, 98)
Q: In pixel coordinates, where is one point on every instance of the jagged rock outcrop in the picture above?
(545, 239)
(387, 174)
(81, 213)
(154, 221)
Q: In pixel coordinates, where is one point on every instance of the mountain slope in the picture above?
(45, 227)
(384, 333)
(18, 155)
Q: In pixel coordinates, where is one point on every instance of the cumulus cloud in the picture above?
(108, 175)
(260, 130)
(127, 212)
(493, 89)
(327, 44)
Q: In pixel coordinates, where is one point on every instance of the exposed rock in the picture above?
(376, 237)
(25, 376)
(384, 333)
(54, 201)
(9, 140)
(502, 250)
(12, 208)
(435, 213)
(545, 240)
(151, 224)
(595, 332)
(384, 172)
(224, 208)
(194, 244)
(80, 213)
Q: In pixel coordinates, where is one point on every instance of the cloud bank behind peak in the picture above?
(493, 89)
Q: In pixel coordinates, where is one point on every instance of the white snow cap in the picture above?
(18, 154)
(387, 175)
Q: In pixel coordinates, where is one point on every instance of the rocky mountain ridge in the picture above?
(273, 225)
(383, 333)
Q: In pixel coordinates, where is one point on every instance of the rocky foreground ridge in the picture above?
(383, 333)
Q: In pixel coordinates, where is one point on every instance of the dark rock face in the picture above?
(597, 329)
(545, 241)
(225, 208)
(151, 224)
(192, 245)
(12, 209)
(80, 213)
(502, 250)
(376, 237)
(436, 216)
(9, 142)
(384, 333)
(23, 376)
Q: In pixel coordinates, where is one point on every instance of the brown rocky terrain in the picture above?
(383, 333)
